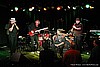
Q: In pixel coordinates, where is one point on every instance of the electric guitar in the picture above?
(33, 32)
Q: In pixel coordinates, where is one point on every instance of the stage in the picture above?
(27, 58)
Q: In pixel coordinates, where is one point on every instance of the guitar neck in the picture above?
(31, 33)
(41, 29)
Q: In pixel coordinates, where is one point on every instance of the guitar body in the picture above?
(31, 34)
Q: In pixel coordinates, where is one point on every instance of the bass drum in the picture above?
(40, 39)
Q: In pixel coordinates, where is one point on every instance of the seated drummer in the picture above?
(59, 42)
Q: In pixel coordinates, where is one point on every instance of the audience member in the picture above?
(46, 56)
(71, 57)
(95, 56)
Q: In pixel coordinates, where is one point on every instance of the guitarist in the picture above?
(34, 35)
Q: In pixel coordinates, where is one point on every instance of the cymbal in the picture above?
(60, 29)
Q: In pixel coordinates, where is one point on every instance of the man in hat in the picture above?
(77, 31)
(12, 31)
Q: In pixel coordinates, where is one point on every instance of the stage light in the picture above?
(82, 7)
(44, 9)
(23, 9)
(65, 9)
(68, 7)
(30, 9)
(52, 7)
(12, 10)
(58, 8)
(91, 7)
(87, 6)
(16, 8)
(33, 7)
(39, 10)
(74, 8)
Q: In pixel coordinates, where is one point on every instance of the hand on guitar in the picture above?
(31, 33)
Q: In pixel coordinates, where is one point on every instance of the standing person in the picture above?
(12, 31)
(77, 31)
(34, 35)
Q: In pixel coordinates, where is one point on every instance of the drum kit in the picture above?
(70, 37)
(46, 35)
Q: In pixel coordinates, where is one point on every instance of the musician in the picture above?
(34, 35)
(77, 31)
(59, 42)
(12, 31)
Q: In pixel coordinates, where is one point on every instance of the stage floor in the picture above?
(26, 57)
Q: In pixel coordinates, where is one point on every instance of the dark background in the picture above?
(51, 18)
